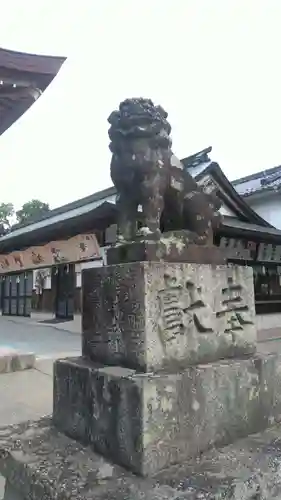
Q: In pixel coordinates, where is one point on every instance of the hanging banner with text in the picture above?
(79, 248)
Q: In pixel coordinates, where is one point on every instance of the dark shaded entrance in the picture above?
(63, 280)
(16, 294)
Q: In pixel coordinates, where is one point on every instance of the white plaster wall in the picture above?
(269, 208)
(268, 321)
(89, 264)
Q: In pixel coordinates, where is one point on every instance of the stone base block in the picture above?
(171, 247)
(154, 315)
(13, 361)
(40, 462)
(147, 422)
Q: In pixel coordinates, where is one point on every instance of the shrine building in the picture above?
(41, 262)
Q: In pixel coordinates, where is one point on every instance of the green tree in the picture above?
(31, 210)
(6, 212)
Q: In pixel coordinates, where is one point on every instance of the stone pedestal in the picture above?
(171, 247)
(151, 316)
(147, 422)
(158, 380)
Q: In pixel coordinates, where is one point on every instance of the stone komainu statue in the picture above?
(146, 173)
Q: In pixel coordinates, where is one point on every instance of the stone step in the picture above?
(40, 462)
(12, 360)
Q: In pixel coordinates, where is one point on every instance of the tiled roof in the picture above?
(266, 180)
(97, 198)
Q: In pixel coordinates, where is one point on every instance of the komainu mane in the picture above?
(146, 173)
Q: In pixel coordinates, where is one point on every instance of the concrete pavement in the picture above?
(30, 336)
(28, 395)
(25, 396)
(45, 319)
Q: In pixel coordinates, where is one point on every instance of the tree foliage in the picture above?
(32, 210)
(6, 212)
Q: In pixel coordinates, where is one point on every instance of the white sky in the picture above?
(213, 65)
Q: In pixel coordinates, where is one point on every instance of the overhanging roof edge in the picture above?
(54, 220)
(30, 63)
(215, 170)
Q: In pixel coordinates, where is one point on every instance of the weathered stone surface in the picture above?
(147, 422)
(13, 361)
(11, 493)
(171, 247)
(145, 172)
(43, 463)
(249, 469)
(150, 315)
(269, 369)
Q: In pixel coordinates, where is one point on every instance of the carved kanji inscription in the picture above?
(181, 308)
(234, 309)
(153, 315)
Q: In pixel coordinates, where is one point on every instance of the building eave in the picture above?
(30, 63)
(229, 194)
(23, 78)
(248, 231)
(107, 194)
(92, 217)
